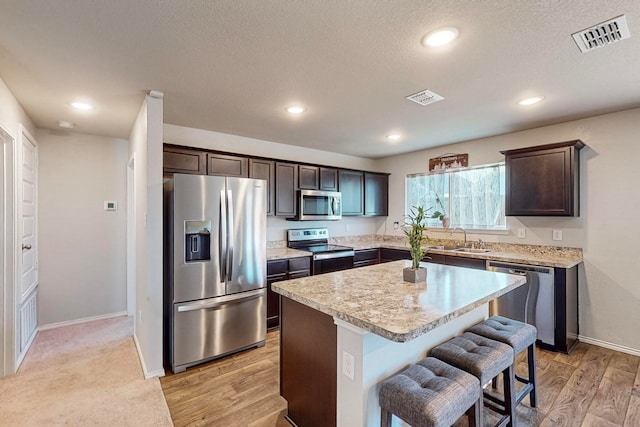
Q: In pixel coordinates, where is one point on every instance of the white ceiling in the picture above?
(234, 65)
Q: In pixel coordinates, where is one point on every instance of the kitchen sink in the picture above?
(472, 250)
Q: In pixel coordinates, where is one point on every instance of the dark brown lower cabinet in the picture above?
(277, 271)
(388, 255)
(308, 364)
(365, 257)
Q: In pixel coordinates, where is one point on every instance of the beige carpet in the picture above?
(80, 375)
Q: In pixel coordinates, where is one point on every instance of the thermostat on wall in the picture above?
(110, 206)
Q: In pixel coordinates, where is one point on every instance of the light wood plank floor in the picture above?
(590, 387)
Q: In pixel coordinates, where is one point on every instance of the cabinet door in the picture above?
(182, 160)
(376, 199)
(308, 177)
(265, 169)
(458, 261)
(276, 272)
(286, 182)
(543, 180)
(435, 258)
(387, 254)
(328, 179)
(351, 184)
(299, 266)
(223, 165)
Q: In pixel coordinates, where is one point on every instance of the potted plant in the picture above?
(414, 229)
(442, 216)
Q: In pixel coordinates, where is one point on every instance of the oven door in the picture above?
(329, 262)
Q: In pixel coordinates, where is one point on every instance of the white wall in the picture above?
(607, 228)
(11, 116)
(145, 143)
(82, 246)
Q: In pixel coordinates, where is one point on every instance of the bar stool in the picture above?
(485, 359)
(431, 393)
(519, 336)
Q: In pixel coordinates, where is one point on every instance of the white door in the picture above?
(27, 310)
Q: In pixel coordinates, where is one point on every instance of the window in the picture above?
(471, 198)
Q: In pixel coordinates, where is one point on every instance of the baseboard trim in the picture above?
(147, 375)
(83, 320)
(610, 346)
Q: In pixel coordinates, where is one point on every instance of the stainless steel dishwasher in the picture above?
(533, 303)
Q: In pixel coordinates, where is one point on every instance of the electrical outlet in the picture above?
(522, 233)
(396, 225)
(557, 235)
(348, 365)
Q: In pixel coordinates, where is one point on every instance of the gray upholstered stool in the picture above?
(485, 359)
(431, 393)
(519, 336)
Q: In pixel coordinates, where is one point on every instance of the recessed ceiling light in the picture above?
(440, 37)
(531, 101)
(394, 136)
(81, 106)
(65, 124)
(296, 109)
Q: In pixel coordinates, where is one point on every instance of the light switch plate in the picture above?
(522, 233)
(110, 206)
(557, 235)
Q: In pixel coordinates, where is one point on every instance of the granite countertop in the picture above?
(376, 298)
(285, 253)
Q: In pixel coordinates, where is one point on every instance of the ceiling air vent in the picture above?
(602, 34)
(425, 97)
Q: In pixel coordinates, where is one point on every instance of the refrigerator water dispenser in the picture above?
(197, 241)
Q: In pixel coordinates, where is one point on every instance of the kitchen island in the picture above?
(344, 332)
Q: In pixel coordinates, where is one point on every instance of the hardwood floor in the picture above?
(590, 387)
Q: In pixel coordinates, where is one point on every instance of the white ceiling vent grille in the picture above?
(425, 97)
(602, 34)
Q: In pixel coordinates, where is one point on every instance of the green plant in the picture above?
(438, 214)
(415, 226)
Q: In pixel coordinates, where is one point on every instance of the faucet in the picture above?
(465, 234)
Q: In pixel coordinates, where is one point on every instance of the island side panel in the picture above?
(308, 343)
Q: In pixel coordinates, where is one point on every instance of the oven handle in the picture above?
(331, 255)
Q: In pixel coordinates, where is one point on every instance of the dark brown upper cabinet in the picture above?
(543, 180)
(328, 179)
(265, 169)
(286, 187)
(220, 164)
(376, 194)
(308, 177)
(351, 185)
(183, 160)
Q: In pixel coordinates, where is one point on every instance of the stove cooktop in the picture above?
(322, 248)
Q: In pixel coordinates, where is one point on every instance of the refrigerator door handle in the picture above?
(220, 301)
(230, 236)
(222, 232)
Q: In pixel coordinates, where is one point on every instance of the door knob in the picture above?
(27, 247)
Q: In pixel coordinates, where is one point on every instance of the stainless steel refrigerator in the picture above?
(215, 267)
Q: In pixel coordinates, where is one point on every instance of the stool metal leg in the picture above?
(510, 395)
(531, 360)
(385, 418)
(474, 414)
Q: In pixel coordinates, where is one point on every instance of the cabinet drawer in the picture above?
(436, 258)
(277, 267)
(478, 264)
(298, 264)
(298, 274)
(387, 255)
(366, 255)
(365, 263)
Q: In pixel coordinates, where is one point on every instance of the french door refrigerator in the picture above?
(215, 267)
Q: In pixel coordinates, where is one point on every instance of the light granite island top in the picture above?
(344, 332)
(376, 298)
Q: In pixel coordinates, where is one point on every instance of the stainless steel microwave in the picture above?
(314, 205)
